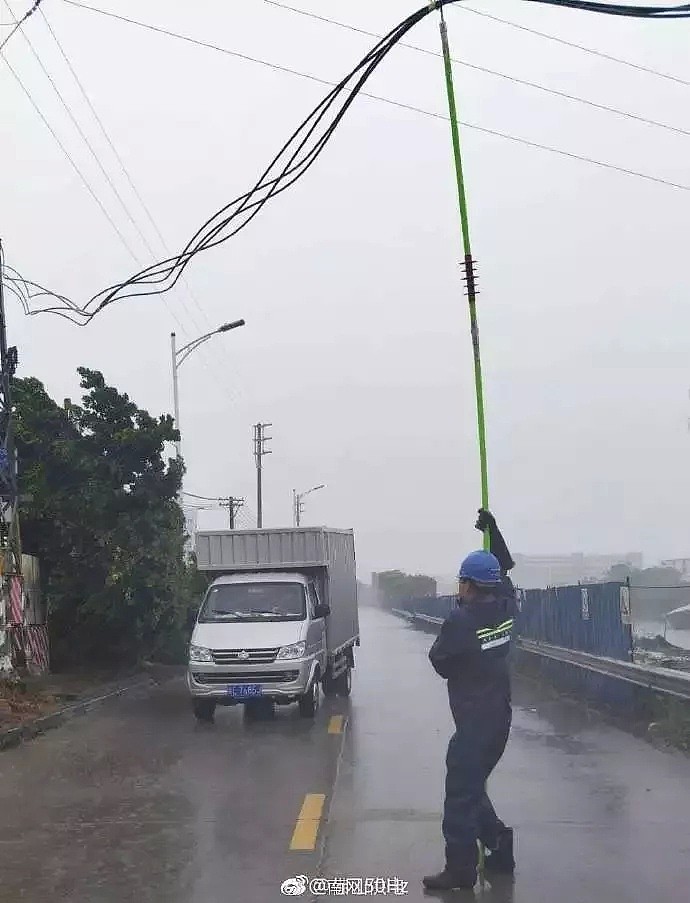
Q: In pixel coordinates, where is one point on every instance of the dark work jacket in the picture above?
(471, 653)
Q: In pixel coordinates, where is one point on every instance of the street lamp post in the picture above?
(179, 356)
(297, 505)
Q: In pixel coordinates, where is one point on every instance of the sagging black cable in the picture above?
(22, 300)
(42, 290)
(164, 275)
(23, 289)
(31, 290)
(643, 12)
(205, 235)
(339, 116)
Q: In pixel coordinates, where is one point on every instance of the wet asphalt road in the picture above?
(137, 802)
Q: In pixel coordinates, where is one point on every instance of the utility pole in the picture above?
(233, 505)
(176, 394)
(8, 457)
(298, 504)
(260, 440)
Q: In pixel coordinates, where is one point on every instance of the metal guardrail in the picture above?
(429, 619)
(660, 680)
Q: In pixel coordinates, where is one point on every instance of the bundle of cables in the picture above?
(294, 159)
(27, 291)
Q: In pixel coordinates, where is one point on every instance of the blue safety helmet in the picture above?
(481, 568)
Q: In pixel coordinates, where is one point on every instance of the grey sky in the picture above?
(357, 345)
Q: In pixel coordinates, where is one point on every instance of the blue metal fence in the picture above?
(587, 618)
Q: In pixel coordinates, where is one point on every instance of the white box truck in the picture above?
(278, 622)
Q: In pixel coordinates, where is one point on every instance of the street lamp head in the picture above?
(313, 489)
(226, 327)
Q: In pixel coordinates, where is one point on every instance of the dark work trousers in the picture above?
(473, 752)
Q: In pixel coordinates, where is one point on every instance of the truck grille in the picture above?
(257, 677)
(250, 656)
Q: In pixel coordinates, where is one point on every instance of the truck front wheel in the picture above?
(204, 709)
(309, 703)
(330, 685)
(343, 683)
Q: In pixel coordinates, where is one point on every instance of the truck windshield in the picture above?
(255, 602)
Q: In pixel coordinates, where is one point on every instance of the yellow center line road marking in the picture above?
(307, 827)
(335, 725)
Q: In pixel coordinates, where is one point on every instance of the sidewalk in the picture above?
(31, 705)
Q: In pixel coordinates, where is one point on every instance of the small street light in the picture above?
(180, 355)
(297, 504)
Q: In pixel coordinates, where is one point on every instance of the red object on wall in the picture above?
(16, 606)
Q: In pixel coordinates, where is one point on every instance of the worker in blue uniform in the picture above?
(471, 653)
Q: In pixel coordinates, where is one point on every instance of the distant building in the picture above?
(679, 564)
(536, 571)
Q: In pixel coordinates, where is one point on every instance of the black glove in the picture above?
(485, 521)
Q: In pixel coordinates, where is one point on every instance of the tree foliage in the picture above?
(647, 577)
(102, 516)
(396, 587)
(655, 591)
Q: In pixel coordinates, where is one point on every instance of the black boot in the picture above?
(451, 879)
(500, 860)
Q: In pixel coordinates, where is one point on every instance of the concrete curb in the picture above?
(13, 736)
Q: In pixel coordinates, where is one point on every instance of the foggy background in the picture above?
(357, 343)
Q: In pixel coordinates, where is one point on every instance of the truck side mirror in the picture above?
(322, 611)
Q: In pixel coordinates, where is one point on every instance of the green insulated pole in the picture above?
(469, 268)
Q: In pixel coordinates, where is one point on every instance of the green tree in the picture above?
(654, 591)
(396, 587)
(647, 577)
(103, 518)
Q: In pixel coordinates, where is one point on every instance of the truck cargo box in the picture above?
(325, 553)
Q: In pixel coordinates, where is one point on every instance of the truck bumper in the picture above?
(282, 681)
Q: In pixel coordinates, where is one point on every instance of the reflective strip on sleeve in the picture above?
(499, 641)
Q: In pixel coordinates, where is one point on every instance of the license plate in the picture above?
(245, 691)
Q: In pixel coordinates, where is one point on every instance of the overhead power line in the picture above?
(18, 25)
(387, 100)
(73, 118)
(116, 154)
(71, 160)
(299, 153)
(591, 50)
(206, 362)
(199, 43)
(86, 140)
(103, 129)
(564, 95)
(114, 150)
(203, 498)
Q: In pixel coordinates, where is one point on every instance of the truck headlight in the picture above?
(295, 651)
(199, 654)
